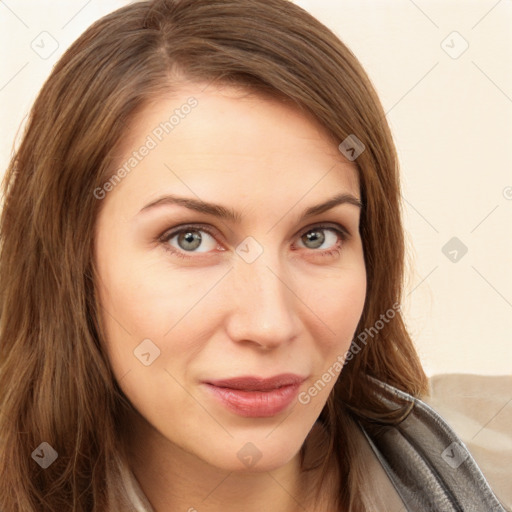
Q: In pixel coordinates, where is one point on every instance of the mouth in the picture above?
(256, 397)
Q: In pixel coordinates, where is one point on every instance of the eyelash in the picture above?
(168, 235)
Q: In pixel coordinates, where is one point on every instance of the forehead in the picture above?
(224, 140)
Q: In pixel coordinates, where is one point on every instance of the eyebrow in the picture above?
(228, 214)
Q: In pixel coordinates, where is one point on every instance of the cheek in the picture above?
(150, 337)
(338, 308)
(146, 295)
(144, 299)
(338, 303)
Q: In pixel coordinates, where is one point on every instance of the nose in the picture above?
(263, 307)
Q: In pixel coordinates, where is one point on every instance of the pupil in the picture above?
(189, 240)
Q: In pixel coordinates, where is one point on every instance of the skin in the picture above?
(214, 315)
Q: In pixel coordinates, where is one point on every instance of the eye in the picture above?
(189, 239)
(325, 240)
(315, 238)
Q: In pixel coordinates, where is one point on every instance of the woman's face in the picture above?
(229, 248)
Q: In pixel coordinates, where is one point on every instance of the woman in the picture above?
(203, 221)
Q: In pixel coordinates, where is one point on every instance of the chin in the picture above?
(254, 454)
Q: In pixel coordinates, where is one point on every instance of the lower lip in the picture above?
(255, 404)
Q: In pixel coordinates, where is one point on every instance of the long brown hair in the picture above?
(56, 385)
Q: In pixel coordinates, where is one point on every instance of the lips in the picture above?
(252, 396)
(258, 383)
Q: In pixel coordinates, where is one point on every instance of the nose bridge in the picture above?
(263, 306)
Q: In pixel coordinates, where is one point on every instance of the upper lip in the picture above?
(255, 383)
